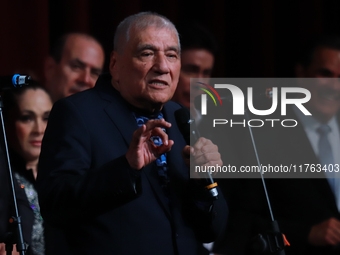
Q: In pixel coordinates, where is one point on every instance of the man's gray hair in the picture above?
(139, 21)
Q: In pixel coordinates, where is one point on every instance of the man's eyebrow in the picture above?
(173, 48)
(78, 61)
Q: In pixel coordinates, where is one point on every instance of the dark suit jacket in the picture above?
(102, 206)
(297, 204)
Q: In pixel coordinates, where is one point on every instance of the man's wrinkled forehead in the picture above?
(135, 31)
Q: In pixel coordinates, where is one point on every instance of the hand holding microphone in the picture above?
(203, 152)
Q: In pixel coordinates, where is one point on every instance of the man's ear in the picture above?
(113, 65)
(49, 68)
(299, 71)
(114, 69)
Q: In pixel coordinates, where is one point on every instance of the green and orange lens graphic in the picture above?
(209, 93)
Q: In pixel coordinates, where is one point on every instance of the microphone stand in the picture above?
(272, 241)
(16, 235)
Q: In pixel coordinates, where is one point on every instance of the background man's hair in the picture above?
(195, 36)
(57, 48)
(324, 41)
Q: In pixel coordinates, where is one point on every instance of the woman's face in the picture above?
(28, 123)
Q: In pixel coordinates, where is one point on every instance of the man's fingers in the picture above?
(200, 143)
(203, 153)
(331, 236)
(152, 128)
(157, 131)
(206, 153)
(334, 230)
(186, 154)
(186, 151)
(151, 124)
(325, 233)
(143, 150)
(164, 148)
(137, 135)
(203, 146)
(204, 158)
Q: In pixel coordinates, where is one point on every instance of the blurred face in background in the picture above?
(325, 93)
(196, 63)
(79, 68)
(27, 123)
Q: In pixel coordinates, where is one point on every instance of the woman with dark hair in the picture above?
(26, 112)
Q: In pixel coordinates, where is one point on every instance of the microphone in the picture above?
(189, 131)
(14, 81)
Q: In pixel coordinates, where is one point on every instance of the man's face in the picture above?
(325, 93)
(196, 63)
(146, 73)
(81, 64)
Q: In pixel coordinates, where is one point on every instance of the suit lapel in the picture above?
(123, 119)
(117, 109)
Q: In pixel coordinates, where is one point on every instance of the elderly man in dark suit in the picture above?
(103, 178)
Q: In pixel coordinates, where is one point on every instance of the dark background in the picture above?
(256, 38)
